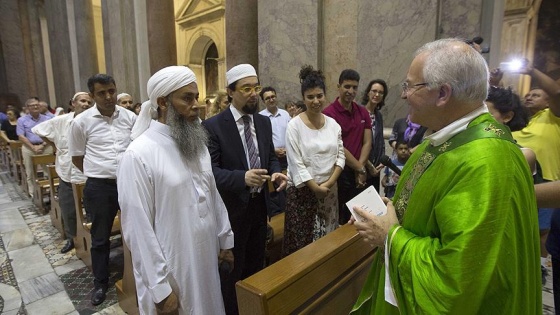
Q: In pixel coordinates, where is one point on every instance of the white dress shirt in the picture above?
(101, 140)
(57, 131)
(279, 124)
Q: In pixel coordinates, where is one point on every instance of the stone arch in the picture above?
(197, 49)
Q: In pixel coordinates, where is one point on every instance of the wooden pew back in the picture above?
(55, 212)
(324, 277)
(41, 184)
(16, 160)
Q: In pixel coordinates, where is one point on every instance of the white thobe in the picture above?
(174, 222)
(57, 130)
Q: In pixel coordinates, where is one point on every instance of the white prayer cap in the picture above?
(78, 94)
(122, 95)
(162, 83)
(239, 72)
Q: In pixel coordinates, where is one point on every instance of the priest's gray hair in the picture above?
(451, 61)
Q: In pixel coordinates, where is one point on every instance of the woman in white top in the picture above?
(315, 160)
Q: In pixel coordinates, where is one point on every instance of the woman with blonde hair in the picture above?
(220, 103)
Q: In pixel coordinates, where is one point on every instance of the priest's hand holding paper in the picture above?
(373, 228)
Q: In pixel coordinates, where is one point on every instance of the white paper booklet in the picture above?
(370, 201)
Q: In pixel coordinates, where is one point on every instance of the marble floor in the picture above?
(36, 279)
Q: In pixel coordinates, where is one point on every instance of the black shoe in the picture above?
(68, 247)
(98, 296)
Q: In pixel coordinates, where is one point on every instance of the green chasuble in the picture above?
(468, 242)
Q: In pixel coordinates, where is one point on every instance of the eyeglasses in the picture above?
(405, 86)
(377, 92)
(270, 98)
(250, 89)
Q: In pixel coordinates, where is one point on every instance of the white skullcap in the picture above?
(162, 83)
(239, 72)
(122, 95)
(78, 94)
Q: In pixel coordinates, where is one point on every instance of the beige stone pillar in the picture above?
(121, 53)
(85, 43)
(56, 13)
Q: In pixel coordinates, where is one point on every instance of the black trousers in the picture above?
(68, 208)
(249, 251)
(346, 191)
(101, 201)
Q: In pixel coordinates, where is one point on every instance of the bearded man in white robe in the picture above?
(173, 218)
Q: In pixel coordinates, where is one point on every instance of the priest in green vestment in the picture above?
(462, 236)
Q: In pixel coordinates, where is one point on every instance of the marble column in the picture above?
(85, 43)
(377, 38)
(161, 34)
(242, 33)
(56, 14)
(285, 46)
(15, 50)
(121, 56)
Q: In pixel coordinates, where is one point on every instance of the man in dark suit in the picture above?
(243, 159)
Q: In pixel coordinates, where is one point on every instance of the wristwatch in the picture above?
(362, 170)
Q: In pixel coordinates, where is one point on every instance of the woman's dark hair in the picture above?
(14, 110)
(311, 78)
(365, 98)
(504, 101)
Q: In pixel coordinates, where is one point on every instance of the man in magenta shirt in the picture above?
(356, 137)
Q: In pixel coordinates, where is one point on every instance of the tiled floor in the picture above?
(36, 279)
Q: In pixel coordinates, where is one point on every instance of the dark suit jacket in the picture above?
(229, 161)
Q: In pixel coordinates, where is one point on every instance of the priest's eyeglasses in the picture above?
(405, 86)
(250, 89)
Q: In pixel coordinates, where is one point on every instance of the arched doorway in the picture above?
(211, 71)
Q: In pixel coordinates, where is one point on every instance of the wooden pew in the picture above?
(5, 154)
(126, 287)
(324, 277)
(82, 241)
(16, 161)
(55, 212)
(41, 184)
(274, 246)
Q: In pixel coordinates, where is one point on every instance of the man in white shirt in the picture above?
(173, 217)
(56, 131)
(279, 119)
(99, 137)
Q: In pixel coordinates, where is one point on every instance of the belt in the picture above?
(255, 194)
(110, 181)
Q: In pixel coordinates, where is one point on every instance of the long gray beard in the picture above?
(191, 137)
